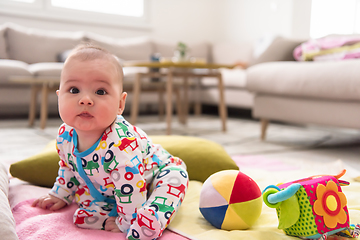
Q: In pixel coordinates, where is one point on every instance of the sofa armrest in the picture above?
(3, 47)
(276, 49)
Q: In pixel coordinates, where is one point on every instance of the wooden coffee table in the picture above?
(45, 85)
(178, 69)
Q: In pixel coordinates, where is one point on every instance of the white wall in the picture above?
(251, 19)
(301, 19)
(187, 20)
(230, 20)
(203, 20)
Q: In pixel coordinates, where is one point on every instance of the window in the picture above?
(108, 12)
(133, 8)
(334, 17)
(26, 1)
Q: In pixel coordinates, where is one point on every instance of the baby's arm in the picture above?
(65, 185)
(49, 202)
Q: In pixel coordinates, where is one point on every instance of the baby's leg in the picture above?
(94, 216)
(167, 192)
(146, 225)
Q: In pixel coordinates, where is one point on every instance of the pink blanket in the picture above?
(317, 48)
(35, 223)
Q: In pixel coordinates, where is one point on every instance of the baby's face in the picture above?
(90, 94)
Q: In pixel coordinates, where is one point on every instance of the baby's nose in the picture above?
(86, 100)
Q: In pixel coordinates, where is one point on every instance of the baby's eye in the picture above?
(101, 92)
(74, 90)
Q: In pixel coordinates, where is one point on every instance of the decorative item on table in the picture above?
(181, 53)
(230, 200)
(311, 208)
(155, 58)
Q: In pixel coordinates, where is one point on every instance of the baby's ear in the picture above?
(122, 103)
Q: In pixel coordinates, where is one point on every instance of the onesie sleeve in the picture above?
(66, 183)
(154, 156)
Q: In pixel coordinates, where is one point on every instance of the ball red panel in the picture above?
(245, 189)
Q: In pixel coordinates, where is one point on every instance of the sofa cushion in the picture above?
(61, 57)
(232, 78)
(35, 45)
(230, 53)
(13, 68)
(3, 49)
(130, 74)
(279, 49)
(165, 49)
(127, 49)
(326, 80)
(200, 50)
(46, 69)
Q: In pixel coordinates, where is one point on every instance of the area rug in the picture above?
(189, 221)
(34, 223)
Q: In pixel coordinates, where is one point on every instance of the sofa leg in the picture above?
(264, 125)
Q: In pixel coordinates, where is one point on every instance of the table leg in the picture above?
(169, 91)
(185, 107)
(44, 105)
(222, 106)
(179, 106)
(161, 103)
(135, 100)
(264, 125)
(197, 107)
(32, 107)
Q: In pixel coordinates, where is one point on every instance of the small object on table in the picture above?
(155, 58)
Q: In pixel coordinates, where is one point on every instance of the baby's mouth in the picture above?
(85, 115)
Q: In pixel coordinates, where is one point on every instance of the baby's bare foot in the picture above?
(110, 225)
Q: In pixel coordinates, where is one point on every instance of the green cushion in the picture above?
(202, 158)
(40, 169)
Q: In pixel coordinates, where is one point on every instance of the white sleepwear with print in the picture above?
(123, 175)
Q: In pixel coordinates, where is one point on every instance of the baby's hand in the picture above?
(49, 202)
(110, 225)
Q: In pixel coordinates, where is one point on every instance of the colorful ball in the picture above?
(230, 200)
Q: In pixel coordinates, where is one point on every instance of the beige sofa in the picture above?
(321, 93)
(275, 86)
(32, 52)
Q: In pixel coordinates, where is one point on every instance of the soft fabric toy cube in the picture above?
(313, 207)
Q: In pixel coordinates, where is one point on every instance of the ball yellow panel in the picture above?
(232, 221)
(248, 211)
(223, 182)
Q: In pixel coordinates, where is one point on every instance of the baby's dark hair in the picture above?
(89, 51)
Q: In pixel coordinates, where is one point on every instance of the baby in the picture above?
(120, 180)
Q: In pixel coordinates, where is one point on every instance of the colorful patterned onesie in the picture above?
(128, 174)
